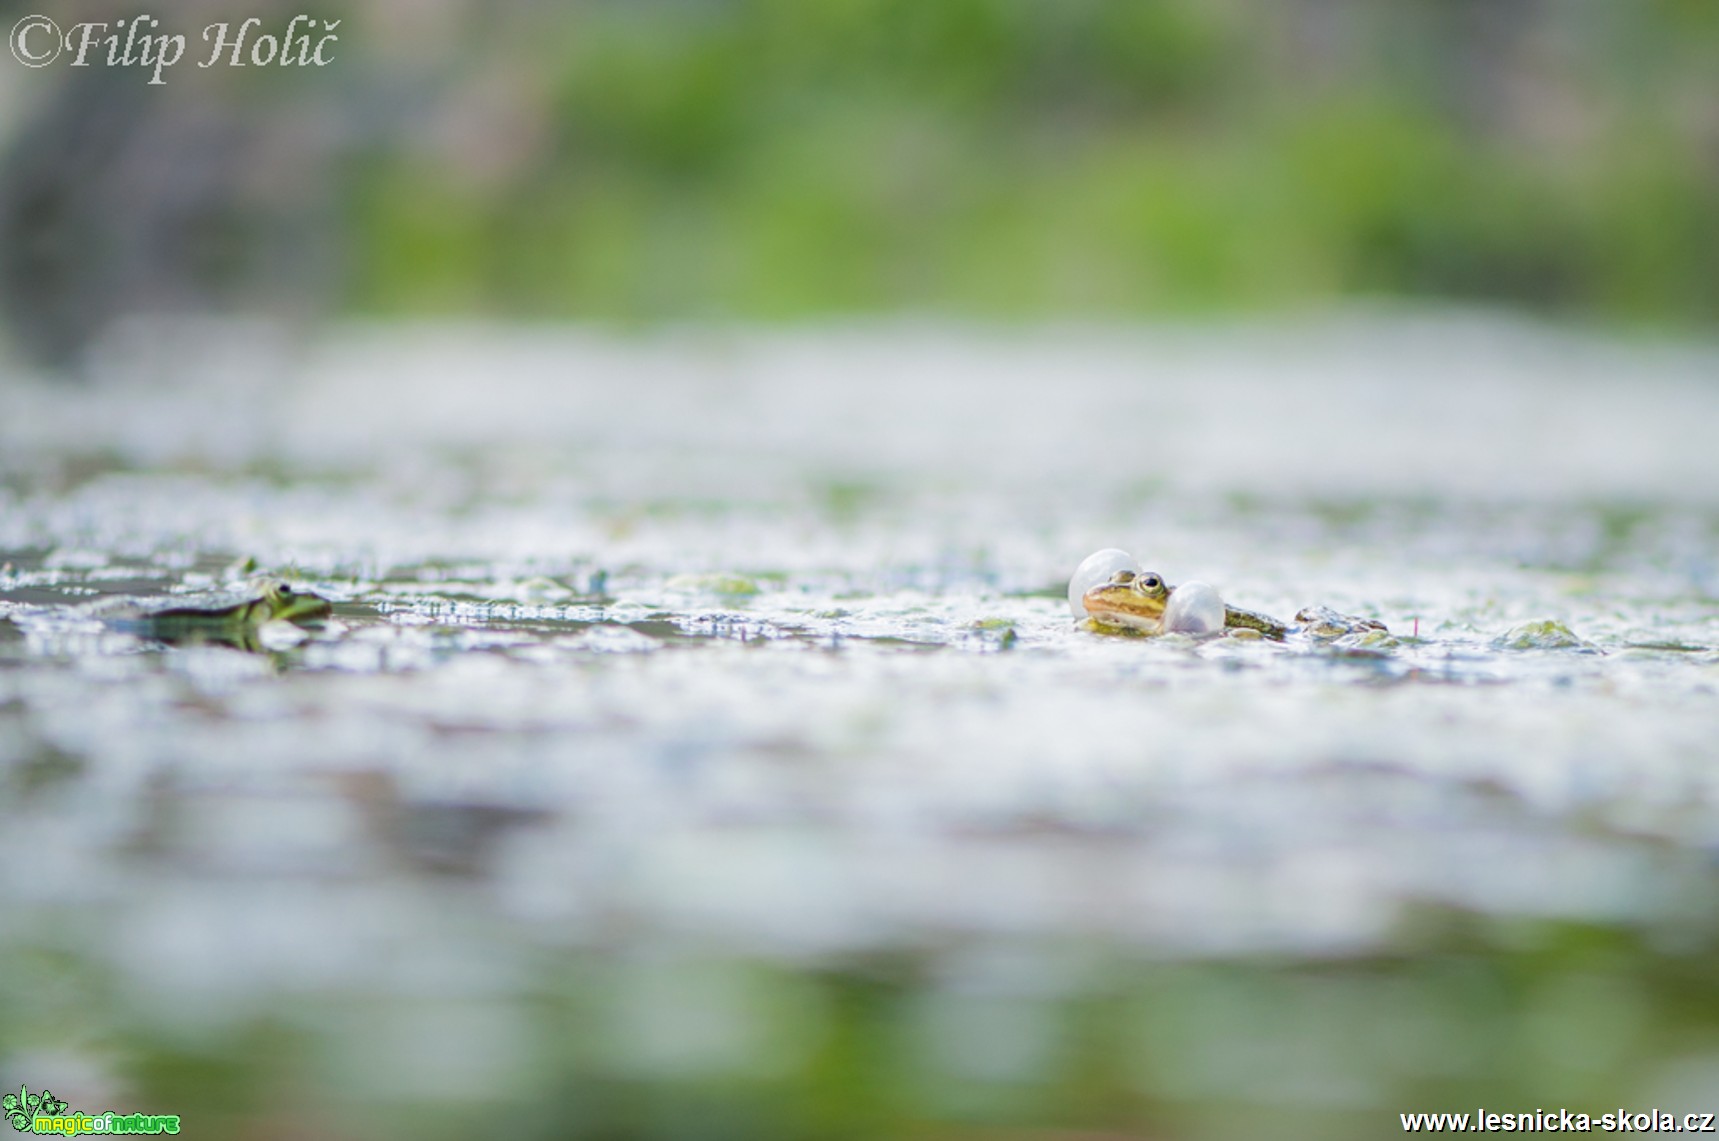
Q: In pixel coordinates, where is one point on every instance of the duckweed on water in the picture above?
(542, 825)
(732, 585)
(1544, 635)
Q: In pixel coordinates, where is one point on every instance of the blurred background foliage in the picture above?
(771, 158)
(642, 160)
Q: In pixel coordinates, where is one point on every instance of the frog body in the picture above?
(232, 618)
(1137, 601)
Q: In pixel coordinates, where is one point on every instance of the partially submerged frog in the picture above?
(230, 618)
(1140, 601)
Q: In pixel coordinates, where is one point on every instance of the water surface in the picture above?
(702, 745)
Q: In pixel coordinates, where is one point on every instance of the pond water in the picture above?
(702, 745)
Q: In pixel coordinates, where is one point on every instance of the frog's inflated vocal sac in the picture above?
(1137, 601)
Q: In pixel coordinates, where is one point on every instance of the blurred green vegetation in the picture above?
(1510, 1015)
(767, 159)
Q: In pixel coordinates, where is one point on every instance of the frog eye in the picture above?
(1122, 578)
(284, 590)
(1149, 581)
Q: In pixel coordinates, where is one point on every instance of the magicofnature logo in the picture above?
(22, 1107)
(44, 1113)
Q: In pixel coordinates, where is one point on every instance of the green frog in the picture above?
(1137, 600)
(231, 619)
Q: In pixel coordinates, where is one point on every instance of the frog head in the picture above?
(1129, 599)
(282, 600)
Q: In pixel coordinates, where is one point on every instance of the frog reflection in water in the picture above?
(1137, 601)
